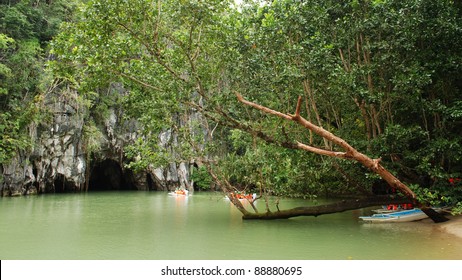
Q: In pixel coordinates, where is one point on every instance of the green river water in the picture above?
(156, 226)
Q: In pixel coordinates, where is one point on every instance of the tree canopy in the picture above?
(383, 75)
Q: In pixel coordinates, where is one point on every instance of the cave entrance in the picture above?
(62, 185)
(108, 175)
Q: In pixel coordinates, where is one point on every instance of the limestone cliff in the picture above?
(62, 160)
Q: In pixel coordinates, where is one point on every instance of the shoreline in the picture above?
(453, 226)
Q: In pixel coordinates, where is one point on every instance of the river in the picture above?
(156, 226)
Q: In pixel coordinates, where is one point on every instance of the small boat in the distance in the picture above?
(179, 192)
(242, 196)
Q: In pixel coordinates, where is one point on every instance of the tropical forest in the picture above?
(344, 105)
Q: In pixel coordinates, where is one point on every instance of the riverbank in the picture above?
(453, 226)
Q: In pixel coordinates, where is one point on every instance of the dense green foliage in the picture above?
(382, 74)
(26, 28)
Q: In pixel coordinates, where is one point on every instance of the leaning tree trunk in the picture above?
(348, 153)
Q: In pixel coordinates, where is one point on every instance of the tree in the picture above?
(27, 27)
(369, 51)
(352, 69)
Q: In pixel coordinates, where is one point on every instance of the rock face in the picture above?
(57, 162)
(62, 159)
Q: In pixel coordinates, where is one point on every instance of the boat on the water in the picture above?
(179, 192)
(242, 196)
(395, 217)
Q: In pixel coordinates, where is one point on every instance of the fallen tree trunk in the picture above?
(318, 210)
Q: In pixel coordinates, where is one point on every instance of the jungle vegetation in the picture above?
(381, 75)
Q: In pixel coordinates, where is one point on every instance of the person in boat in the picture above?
(405, 206)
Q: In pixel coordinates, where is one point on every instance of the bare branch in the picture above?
(323, 151)
(262, 108)
(300, 120)
(297, 109)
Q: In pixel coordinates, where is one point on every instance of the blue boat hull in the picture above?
(396, 217)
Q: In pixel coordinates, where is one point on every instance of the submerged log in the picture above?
(331, 208)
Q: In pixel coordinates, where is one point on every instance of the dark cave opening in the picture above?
(61, 185)
(108, 175)
(150, 182)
